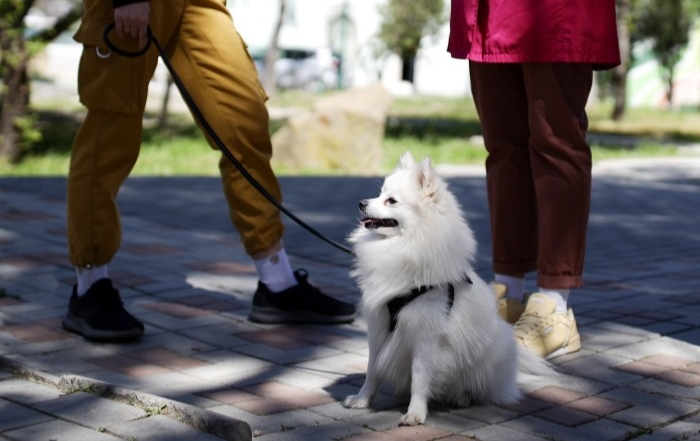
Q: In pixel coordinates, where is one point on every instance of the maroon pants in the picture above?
(538, 170)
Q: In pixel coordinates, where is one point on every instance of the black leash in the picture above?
(210, 131)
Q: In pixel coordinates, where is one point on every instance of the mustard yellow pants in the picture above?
(212, 60)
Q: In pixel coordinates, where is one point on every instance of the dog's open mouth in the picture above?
(373, 222)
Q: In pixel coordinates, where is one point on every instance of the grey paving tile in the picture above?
(159, 428)
(599, 367)
(221, 335)
(26, 392)
(331, 431)
(90, 410)
(16, 416)
(602, 429)
(273, 423)
(655, 386)
(500, 433)
(649, 410)
(682, 430)
(59, 431)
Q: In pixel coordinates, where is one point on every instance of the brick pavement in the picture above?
(204, 372)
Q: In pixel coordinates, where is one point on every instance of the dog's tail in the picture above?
(531, 364)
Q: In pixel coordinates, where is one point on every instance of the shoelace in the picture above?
(528, 325)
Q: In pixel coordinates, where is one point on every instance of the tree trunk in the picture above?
(669, 78)
(619, 74)
(408, 68)
(14, 102)
(271, 54)
(163, 117)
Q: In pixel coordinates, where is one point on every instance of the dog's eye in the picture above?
(391, 201)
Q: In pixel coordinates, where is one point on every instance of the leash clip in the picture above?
(122, 52)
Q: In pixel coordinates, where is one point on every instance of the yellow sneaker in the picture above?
(509, 309)
(544, 331)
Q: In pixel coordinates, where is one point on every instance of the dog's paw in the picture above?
(356, 402)
(412, 419)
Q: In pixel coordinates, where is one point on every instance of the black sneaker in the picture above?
(99, 315)
(302, 303)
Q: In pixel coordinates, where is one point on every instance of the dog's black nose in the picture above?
(363, 204)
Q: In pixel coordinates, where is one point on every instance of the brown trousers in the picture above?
(538, 170)
(210, 57)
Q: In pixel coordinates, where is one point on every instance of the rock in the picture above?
(342, 134)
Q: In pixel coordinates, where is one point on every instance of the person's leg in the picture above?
(113, 89)
(561, 165)
(501, 102)
(213, 63)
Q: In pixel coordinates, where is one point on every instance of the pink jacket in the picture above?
(535, 31)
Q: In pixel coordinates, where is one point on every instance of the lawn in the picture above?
(445, 129)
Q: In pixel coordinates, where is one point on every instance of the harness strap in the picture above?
(396, 304)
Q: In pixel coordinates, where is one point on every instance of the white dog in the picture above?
(432, 324)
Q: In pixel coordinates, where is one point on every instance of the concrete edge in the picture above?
(228, 428)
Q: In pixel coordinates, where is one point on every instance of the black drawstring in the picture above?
(210, 131)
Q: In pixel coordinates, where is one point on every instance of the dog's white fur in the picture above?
(453, 356)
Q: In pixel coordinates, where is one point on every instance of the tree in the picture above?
(667, 24)
(15, 41)
(272, 52)
(403, 26)
(618, 77)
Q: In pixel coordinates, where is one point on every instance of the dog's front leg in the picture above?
(367, 392)
(371, 385)
(421, 377)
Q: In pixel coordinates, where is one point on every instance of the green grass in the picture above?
(445, 129)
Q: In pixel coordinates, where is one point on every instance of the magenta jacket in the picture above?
(535, 31)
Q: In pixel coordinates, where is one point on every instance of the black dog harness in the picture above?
(396, 304)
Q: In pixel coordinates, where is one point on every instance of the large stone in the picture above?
(343, 134)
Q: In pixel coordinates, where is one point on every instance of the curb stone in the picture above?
(222, 426)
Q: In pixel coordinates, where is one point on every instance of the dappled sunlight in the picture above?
(183, 271)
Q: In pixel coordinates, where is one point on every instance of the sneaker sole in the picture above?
(275, 316)
(80, 327)
(573, 345)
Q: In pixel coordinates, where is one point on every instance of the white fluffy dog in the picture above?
(432, 323)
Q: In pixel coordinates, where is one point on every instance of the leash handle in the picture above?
(212, 133)
(124, 53)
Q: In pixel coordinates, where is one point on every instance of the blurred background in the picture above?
(308, 50)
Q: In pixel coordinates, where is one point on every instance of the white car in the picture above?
(309, 69)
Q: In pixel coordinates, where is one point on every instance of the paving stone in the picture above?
(675, 431)
(26, 392)
(648, 410)
(17, 416)
(501, 433)
(600, 429)
(600, 367)
(278, 422)
(183, 270)
(159, 428)
(652, 385)
(90, 410)
(57, 430)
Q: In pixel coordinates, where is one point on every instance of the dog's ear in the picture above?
(426, 176)
(406, 161)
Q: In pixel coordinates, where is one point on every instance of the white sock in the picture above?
(515, 286)
(561, 296)
(275, 272)
(88, 276)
